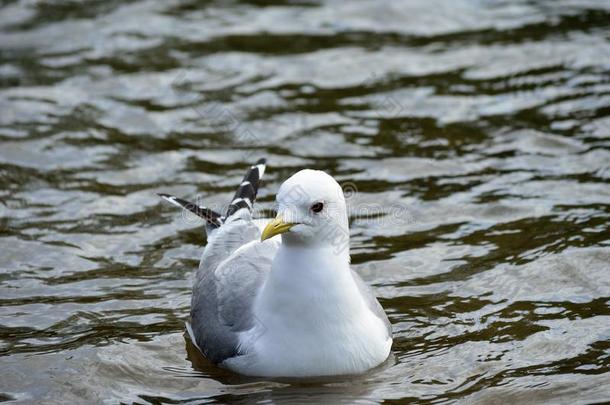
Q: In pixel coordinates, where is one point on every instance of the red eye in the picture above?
(317, 207)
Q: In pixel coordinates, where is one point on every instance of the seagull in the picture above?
(278, 298)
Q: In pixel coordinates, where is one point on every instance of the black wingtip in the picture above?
(211, 217)
(246, 192)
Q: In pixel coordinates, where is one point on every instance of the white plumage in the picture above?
(288, 305)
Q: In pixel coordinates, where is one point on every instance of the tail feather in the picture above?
(246, 192)
(211, 217)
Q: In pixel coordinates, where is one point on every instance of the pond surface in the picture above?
(472, 139)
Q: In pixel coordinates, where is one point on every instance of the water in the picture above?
(472, 139)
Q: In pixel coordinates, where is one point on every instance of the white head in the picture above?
(311, 212)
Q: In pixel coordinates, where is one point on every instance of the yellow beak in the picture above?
(276, 227)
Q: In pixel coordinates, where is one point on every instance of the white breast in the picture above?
(311, 322)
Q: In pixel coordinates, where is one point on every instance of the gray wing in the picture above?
(372, 302)
(233, 267)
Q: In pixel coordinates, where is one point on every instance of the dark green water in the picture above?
(472, 138)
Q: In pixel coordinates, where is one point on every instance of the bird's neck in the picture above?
(305, 280)
(310, 265)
